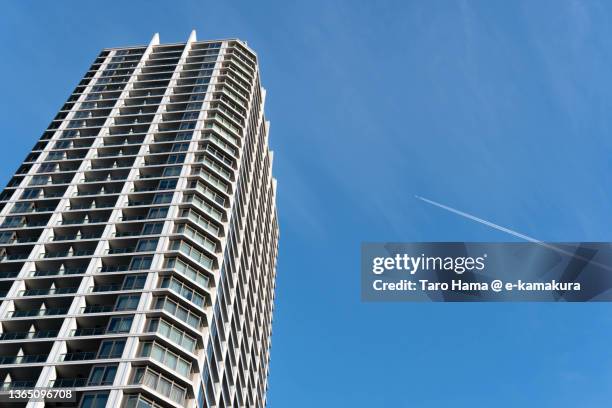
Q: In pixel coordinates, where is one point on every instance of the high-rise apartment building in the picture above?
(138, 239)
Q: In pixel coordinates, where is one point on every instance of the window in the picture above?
(55, 156)
(47, 167)
(187, 126)
(159, 383)
(39, 180)
(190, 115)
(111, 349)
(152, 228)
(120, 324)
(183, 290)
(102, 375)
(197, 255)
(140, 262)
(175, 158)
(196, 97)
(178, 311)
(21, 207)
(134, 282)
(62, 144)
(145, 245)
(31, 193)
(6, 237)
(180, 147)
(160, 212)
(172, 171)
(69, 134)
(127, 302)
(167, 184)
(97, 400)
(188, 271)
(12, 222)
(162, 198)
(163, 355)
(78, 123)
(183, 136)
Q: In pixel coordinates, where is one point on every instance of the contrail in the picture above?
(511, 232)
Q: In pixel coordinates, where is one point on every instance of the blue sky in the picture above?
(502, 109)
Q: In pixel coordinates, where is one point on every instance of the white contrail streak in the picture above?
(480, 220)
(511, 232)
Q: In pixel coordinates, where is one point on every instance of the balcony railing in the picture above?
(27, 359)
(115, 268)
(105, 288)
(41, 334)
(66, 271)
(97, 309)
(68, 382)
(37, 312)
(40, 292)
(16, 385)
(84, 355)
(88, 331)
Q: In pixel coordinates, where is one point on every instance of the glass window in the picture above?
(21, 207)
(172, 171)
(175, 158)
(12, 222)
(157, 353)
(96, 376)
(97, 400)
(167, 184)
(127, 302)
(109, 375)
(152, 228)
(47, 167)
(190, 115)
(39, 180)
(120, 324)
(102, 375)
(162, 198)
(31, 193)
(134, 282)
(145, 245)
(55, 156)
(111, 349)
(180, 147)
(6, 237)
(160, 212)
(141, 262)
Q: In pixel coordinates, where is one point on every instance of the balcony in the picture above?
(41, 334)
(97, 309)
(38, 312)
(51, 291)
(60, 272)
(88, 331)
(26, 359)
(17, 385)
(68, 383)
(78, 356)
(106, 288)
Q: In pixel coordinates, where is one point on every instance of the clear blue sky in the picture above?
(502, 109)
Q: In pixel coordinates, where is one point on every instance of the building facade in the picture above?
(138, 239)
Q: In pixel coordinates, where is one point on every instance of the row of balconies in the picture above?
(159, 154)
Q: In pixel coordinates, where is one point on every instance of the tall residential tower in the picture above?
(138, 239)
